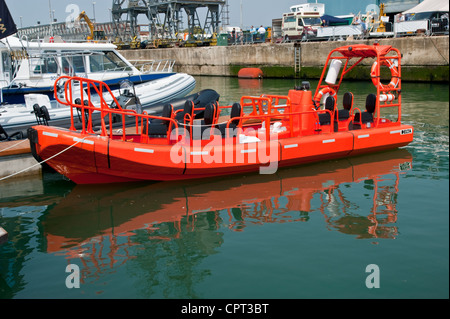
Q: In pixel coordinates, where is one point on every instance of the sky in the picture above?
(254, 12)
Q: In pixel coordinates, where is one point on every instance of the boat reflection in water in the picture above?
(100, 225)
(250, 83)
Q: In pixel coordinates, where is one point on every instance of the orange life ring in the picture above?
(376, 77)
(324, 91)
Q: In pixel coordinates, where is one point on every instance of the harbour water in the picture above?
(373, 226)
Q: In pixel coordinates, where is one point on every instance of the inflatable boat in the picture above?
(256, 134)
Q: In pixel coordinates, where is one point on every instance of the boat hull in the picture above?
(88, 159)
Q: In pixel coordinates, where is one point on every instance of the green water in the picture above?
(304, 232)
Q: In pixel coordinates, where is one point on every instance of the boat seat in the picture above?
(202, 129)
(188, 109)
(347, 103)
(236, 111)
(367, 116)
(196, 128)
(208, 125)
(325, 118)
(158, 127)
(210, 114)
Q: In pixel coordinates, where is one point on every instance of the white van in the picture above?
(302, 21)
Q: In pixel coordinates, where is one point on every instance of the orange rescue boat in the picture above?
(259, 133)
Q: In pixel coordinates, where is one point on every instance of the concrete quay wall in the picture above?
(424, 58)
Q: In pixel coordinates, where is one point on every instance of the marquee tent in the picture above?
(429, 5)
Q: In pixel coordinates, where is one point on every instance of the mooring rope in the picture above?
(39, 163)
(5, 149)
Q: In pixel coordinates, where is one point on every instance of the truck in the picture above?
(302, 22)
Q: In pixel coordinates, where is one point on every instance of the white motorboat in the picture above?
(32, 67)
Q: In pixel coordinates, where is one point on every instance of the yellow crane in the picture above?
(382, 26)
(95, 34)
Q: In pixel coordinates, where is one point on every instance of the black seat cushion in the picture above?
(188, 109)
(236, 111)
(347, 103)
(167, 111)
(324, 118)
(371, 101)
(210, 113)
(202, 129)
(330, 103)
(157, 129)
(343, 115)
(347, 100)
(364, 117)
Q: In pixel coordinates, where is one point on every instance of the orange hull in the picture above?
(99, 159)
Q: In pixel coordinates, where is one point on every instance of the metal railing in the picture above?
(87, 108)
(163, 65)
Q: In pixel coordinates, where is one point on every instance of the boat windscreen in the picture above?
(107, 62)
(44, 64)
(312, 21)
(73, 64)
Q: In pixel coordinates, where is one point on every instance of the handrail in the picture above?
(267, 118)
(396, 91)
(101, 88)
(167, 65)
(265, 103)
